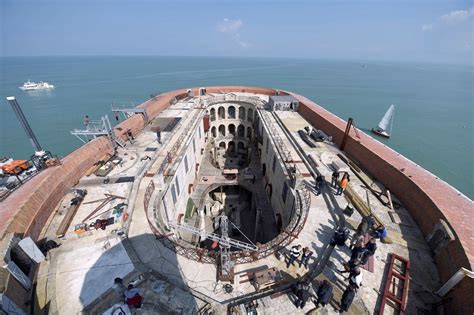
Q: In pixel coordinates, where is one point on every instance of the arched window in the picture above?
(242, 112)
(222, 130)
(240, 146)
(213, 114)
(221, 112)
(231, 112)
(250, 114)
(232, 129)
(231, 147)
(222, 145)
(241, 131)
(249, 132)
(213, 132)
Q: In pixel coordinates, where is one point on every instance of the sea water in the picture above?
(433, 123)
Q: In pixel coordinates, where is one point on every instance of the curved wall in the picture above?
(28, 208)
(428, 198)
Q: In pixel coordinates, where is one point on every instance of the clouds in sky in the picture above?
(452, 18)
(232, 27)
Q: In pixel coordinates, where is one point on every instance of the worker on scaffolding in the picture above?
(86, 122)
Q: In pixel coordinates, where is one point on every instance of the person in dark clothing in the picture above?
(340, 237)
(335, 178)
(347, 298)
(305, 257)
(319, 184)
(381, 233)
(303, 293)
(369, 250)
(324, 293)
(357, 252)
(158, 134)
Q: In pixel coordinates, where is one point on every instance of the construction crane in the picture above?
(224, 241)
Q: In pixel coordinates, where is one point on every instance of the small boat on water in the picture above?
(384, 128)
(29, 86)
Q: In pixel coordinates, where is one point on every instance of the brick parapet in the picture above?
(424, 195)
(27, 209)
(427, 197)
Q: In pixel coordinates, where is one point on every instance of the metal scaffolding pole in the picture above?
(24, 122)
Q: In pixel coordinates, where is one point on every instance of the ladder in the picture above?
(396, 284)
(120, 142)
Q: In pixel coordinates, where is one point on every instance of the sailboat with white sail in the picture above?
(384, 128)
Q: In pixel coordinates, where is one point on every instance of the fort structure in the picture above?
(199, 196)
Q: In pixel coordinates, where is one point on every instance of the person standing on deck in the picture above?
(158, 134)
(324, 294)
(343, 184)
(305, 257)
(347, 298)
(295, 253)
(319, 184)
(335, 178)
(86, 122)
(303, 293)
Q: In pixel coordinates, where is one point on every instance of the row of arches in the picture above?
(231, 131)
(231, 113)
(231, 146)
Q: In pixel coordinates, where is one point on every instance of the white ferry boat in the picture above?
(28, 86)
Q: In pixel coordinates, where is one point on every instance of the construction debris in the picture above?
(75, 203)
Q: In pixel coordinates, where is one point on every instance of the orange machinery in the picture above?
(16, 167)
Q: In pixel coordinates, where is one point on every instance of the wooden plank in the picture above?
(64, 225)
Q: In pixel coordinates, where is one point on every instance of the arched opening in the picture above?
(222, 145)
(231, 147)
(231, 111)
(232, 129)
(214, 132)
(241, 131)
(279, 222)
(222, 130)
(213, 114)
(221, 112)
(242, 113)
(241, 146)
(250, 115)
(249, 132)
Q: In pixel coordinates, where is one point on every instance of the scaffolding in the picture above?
(127, 112)
(98, 128)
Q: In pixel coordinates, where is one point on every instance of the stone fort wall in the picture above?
(428, 198)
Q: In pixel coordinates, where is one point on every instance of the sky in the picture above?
(418, 30)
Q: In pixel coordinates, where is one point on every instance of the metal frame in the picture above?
(94, 129)
(129, 111)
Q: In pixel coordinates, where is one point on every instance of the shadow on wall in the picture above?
(154, 271)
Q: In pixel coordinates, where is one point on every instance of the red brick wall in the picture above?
(428, 198)
(29, 207)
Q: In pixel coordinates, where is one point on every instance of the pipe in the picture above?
(346, 134)
(454, 280)
(24, 122)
